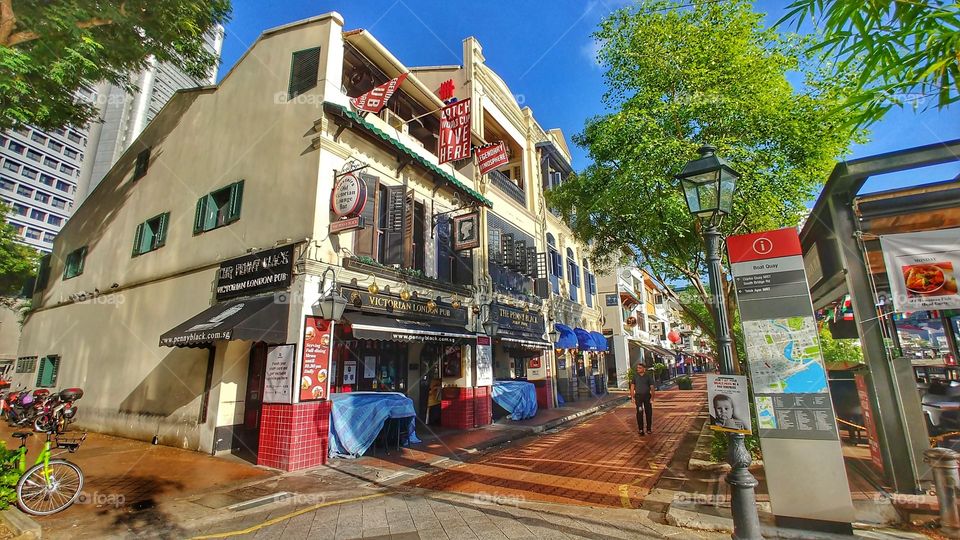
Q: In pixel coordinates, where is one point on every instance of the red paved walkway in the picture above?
(601, 462)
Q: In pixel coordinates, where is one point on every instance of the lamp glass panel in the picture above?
(690, 193)
(727, 187)
(709, 197)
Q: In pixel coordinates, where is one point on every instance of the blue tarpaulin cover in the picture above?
(517, 397)
(356, 419)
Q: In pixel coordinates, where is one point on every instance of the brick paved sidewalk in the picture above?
(601, 462)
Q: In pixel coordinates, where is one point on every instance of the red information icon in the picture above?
(762, 245)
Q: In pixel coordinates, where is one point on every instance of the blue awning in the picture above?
(600, 340)
(585, 340)
(567, 339)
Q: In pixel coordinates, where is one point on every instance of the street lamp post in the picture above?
(708, 186)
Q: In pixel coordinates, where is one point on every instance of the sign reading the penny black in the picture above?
(250, 274)
(512, 319)
(414, 308)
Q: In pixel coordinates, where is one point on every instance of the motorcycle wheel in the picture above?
(44, 423)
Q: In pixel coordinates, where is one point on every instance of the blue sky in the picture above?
(543, 50)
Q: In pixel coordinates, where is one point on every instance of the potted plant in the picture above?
(685, 383)
(658, 369)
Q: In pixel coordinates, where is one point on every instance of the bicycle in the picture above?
(50, 485)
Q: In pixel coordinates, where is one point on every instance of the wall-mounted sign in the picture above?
(492, 156)
(484, 361)
(922, 268)
(455, 132)
(415, 308)
(446, 90)
(611, 299)
(350, 372)
(466, 231)
(374, 100)
(452, 364)
(347, 224)
(263, 271)
(349, 196)
(315, 368)
(873, 440)
(795, 415)
(278, 375)
(516, 320)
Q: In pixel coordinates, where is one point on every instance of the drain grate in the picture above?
(260, 501)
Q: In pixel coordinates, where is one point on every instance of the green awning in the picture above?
(344, 112)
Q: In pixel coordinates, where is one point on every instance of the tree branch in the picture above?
(8, 20)
(27, 35)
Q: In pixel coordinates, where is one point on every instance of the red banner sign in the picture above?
(492, 156)
(764, 245)
(869, 422)
(374, 100)
(315, 375)
(455, 131)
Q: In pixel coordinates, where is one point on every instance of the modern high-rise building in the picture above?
(45, 174)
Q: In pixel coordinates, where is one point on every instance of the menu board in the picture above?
(484, 361)
(278, 377)
(922, 268)
(315, 372)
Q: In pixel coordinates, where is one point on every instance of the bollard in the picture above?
(944, 464)
(743, 504)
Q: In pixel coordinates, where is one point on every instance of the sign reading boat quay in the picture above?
(263, 271)
(795, 416)
(414, 308)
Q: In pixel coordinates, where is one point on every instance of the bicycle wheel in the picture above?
(41, 497)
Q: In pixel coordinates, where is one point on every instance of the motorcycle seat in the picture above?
(22, 434)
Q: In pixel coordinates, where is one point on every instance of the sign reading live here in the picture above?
(455, 131)
(315, 369)
(922, 268)
(783, 349)
(795, 416)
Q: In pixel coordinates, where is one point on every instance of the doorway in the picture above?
(246, 438)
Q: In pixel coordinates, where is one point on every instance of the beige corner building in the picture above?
(190, 296)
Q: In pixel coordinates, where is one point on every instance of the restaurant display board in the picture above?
(278, 375)
(873, 440)
(315, 370)
(484, 361)
(795, 416)
(922, 268)
(729, 403)
(455, 131)
(262, 271)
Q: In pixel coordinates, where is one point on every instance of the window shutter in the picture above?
(408, 228)
(236, 200)
(160, 238)
(137, 239)
(143, 161)
(82, 261)
(199, 217)
(365, 240)
(304, 71)
(394, 240)
(43, 273)
(444, 248)
(47, 375)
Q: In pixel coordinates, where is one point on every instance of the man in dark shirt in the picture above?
(642, 389)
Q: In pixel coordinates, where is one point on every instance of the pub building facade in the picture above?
(253, 204)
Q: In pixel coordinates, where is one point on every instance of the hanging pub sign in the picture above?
(922, 268)
(425, 309)
(491, 156)
(466, 231)
(455, 131)
(348, 198)
(315, 367)
(263, 271)
(374, 100)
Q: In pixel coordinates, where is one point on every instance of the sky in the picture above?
(545, 53)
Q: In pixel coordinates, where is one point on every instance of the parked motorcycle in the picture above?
(57, 411)
(25, 407)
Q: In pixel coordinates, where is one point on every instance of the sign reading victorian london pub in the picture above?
(263, 271)
(795, 416)
(393, 305)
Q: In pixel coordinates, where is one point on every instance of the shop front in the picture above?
(520, 352)
(565, 357)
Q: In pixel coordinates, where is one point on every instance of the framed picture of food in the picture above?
(930, 279)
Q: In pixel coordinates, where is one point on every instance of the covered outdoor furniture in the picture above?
(357, 418)
(518, 398)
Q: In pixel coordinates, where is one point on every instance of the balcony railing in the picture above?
(506, 185)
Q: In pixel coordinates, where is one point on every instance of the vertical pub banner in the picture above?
(795, 416)
(315, 372)
(455, 132)
(484, 361)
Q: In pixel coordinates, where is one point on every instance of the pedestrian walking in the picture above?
(642, 388)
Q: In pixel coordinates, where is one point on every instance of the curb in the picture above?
(21, 525)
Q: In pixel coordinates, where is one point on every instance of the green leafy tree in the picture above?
(17, 261)
(905, 52)
(839, 353)
(677, 76)
(50, 49)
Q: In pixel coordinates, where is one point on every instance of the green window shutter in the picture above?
(160, 238)
(83, 259)
(236, 200)
(199, 217)
(137, 239)
(43, 273)
(47, 375)
(304, 71)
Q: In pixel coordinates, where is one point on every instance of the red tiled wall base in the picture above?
(464, 408)
(294, 437)
(543, 395)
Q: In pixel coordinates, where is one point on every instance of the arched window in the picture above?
(551, 240)
(556, 263)
(573, 275)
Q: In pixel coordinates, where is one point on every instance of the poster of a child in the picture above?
(729, 403)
